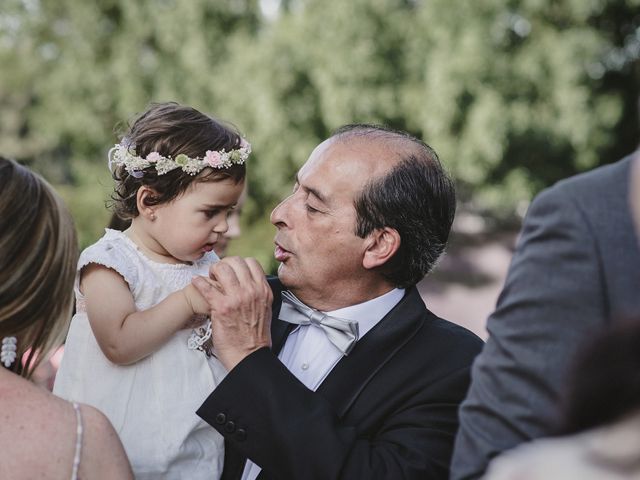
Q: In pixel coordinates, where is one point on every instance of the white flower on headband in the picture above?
(135, 165)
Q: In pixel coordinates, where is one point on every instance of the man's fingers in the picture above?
(241, 269)
(247, 270)
(260, 279)
(207, 287)
(236, 272)
(257, 273)
(225, 274)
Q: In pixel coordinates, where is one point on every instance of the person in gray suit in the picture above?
(576, 267)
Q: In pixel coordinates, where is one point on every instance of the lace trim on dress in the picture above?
(78, 450)
(199, 338)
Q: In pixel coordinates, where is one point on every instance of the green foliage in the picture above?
(513, 95)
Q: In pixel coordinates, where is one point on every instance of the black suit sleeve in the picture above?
(265, 413)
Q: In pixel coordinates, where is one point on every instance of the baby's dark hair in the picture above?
(172, 129)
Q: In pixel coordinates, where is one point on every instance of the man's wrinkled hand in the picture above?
(239, 299)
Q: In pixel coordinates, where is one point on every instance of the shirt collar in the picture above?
(368, 314)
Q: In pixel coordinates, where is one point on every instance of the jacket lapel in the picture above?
(350, 376)
(279, 330)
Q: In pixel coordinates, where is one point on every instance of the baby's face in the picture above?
(234, 230)
(190, 225)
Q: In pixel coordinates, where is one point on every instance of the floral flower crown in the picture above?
(135, 165)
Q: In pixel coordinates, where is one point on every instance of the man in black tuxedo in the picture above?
(369, 216)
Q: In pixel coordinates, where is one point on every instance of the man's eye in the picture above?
(310, 209)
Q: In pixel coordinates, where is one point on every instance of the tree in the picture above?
(507, 92)
(73, 69)
(513, 95)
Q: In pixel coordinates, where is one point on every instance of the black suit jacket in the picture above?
(389, 410)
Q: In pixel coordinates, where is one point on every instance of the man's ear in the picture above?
(383, 243)
(146, 211)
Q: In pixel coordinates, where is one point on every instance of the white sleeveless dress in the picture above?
(151, 403)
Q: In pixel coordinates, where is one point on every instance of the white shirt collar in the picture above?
(368, 314)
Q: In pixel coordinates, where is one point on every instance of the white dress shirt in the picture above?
(310, 356)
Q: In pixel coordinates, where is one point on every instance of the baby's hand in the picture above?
(198, 304)
(195, 321)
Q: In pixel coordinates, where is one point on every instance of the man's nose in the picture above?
(279, 214)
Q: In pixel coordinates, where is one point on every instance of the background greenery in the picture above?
(512, 94)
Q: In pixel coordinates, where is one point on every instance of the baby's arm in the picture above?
(125, 334)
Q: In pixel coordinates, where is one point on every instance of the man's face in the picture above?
(320, 254)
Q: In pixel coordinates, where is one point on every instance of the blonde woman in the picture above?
(42, 436)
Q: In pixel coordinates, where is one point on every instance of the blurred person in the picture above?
(600, 424)
(43, 436)
(44, 373)
(355, 379)
(139, 329)
(233, 220)
(575, 269)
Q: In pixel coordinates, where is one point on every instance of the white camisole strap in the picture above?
(78, 449)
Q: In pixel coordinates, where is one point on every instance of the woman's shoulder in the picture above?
(29, 404)
(41, 436)
(102, 450)
(38, 432)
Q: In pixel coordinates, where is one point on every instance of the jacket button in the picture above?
(241, 434)
(230, 426)
(221, 418)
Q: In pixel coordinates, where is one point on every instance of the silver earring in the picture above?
(8, 351)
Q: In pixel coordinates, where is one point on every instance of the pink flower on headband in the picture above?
(153, 157)
(213, 159)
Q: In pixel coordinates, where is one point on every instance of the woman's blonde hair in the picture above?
(38, 255)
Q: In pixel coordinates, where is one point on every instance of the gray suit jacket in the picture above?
(576, 267)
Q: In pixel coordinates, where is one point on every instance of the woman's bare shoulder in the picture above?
(37, 431)
(40, 432)
(103, 455)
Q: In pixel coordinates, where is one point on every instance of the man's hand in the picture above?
(239, 299)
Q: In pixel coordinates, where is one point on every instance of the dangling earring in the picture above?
(8, 351)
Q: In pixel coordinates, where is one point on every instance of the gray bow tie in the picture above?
(341, 332)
